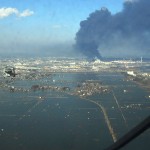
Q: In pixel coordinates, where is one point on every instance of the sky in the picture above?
(32, 26)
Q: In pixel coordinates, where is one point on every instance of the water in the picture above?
(62, 121)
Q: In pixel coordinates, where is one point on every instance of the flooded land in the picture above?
(72, 104)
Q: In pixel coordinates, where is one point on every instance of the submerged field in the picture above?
(57, 119)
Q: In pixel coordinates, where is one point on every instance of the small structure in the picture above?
(131, 73)
(9, 71)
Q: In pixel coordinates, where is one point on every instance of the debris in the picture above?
(9, 71)
(125, 91)
(2, 130)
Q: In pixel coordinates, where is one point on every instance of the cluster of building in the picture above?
(142, 78)
(69, 65)
(89, 88)
(46, 87)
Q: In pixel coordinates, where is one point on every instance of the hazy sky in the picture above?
(36, 24)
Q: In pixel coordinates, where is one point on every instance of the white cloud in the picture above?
(6, 12)
(26, 13)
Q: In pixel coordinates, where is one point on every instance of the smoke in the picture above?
(125, 32)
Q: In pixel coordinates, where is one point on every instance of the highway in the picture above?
(113, 134)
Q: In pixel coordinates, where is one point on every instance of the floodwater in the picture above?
(47, 119)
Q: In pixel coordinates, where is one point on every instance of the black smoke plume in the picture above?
(126, 31)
